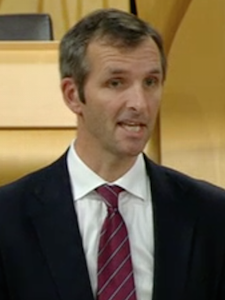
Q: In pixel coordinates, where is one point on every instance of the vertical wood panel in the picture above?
(89, 6)
(74, 11)
(23, 6)
(166, 16)
(23, 151)
(123, 5)
(193, 112)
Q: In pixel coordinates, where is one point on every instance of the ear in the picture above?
(70, 94)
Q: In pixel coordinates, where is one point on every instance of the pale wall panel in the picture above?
(23, 151)
(193, 111)
(89, 6)
(73, 11)
(22, 6)
(120, 4)
(164, 15)
(30, 86)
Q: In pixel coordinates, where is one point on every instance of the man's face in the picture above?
(122, 93)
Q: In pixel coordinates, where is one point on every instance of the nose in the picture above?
(137, 99)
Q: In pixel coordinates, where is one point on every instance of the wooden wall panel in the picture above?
(30, 86)
(23, 6)
(25, 150)
(164, 15)
(193, 111)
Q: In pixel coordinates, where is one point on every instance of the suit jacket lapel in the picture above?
(174, 223)
(54, 218)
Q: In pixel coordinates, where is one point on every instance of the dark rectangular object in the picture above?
(25, 27)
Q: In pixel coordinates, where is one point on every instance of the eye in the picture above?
(115, 83)
(152, 81)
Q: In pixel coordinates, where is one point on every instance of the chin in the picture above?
(132, 152)
(129, 150)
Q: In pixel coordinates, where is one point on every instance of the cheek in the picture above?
(95, 114)
(103, 105)
(153, 105)
(156, 100)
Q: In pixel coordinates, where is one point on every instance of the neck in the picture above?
(110, 167)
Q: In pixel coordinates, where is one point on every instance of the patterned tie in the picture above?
(115, 272)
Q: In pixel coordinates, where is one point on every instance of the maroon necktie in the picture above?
(115, 271)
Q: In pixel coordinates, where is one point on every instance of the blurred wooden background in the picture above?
(64, 13)
(190, 133)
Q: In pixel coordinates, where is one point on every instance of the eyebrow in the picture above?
(155, 71)
(116, 71)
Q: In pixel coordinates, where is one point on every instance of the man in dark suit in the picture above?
(51, 222)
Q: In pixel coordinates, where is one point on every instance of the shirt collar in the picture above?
(84, 180)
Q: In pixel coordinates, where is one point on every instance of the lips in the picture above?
(132, 126)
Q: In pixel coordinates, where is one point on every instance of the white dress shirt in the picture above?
(134, 205)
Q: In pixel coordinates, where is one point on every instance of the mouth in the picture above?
(132, 126)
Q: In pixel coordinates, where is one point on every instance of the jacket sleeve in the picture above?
(3, 287)
(221, 293)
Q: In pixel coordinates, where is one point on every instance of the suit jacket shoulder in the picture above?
(189, 226)
(41, 252)
(178, 182)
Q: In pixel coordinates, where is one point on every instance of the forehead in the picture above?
(104, 57)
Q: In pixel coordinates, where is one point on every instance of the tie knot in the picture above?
(110, 194)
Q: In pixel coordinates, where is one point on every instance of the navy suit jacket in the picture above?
(41, 253)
